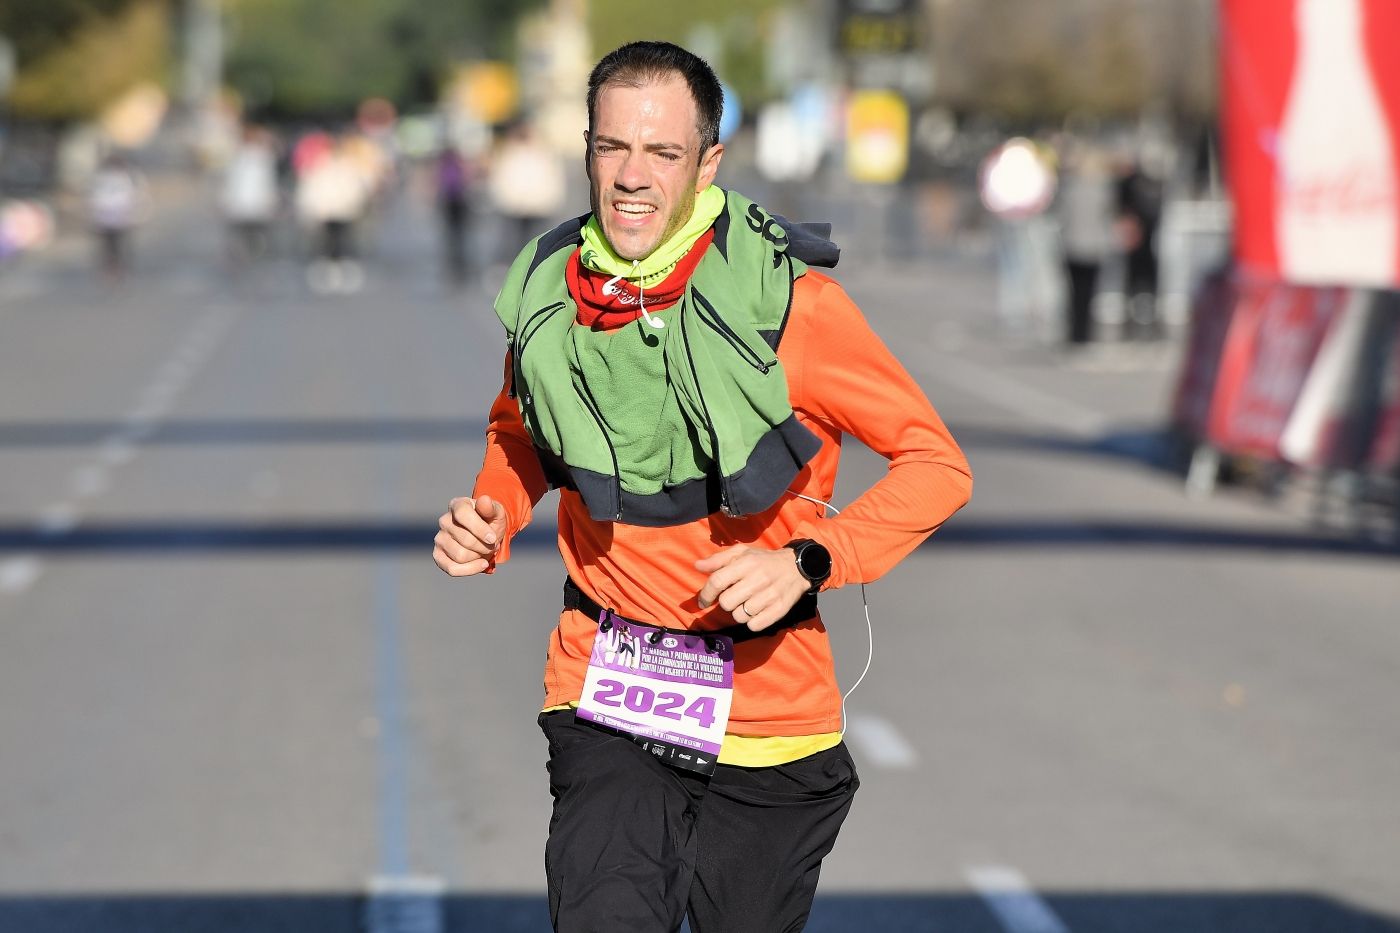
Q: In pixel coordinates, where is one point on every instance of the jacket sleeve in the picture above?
(849, 379)
(511, 472)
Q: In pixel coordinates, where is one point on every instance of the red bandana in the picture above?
(617, 306)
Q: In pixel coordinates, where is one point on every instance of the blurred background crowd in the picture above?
(303, 116)
(1082, 143)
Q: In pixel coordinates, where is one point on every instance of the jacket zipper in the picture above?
(707, 313)
(592, 405)
(709, 422)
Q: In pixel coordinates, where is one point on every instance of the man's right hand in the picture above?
(469, 534)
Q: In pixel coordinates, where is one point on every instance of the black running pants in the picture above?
(635, 845)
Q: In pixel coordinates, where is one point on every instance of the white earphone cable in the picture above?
(641, 298)
(869, 628)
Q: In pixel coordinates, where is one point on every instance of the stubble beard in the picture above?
(674, 222)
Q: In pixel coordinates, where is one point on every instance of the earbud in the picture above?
(656, 323)
(653, 321)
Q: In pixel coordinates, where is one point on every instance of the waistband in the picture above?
(804, 609)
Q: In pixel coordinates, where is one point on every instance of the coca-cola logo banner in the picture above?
(1311, 117)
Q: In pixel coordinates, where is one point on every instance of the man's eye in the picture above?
(670, 156)
(603, 149)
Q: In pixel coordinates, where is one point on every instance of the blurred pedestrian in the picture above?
(250, 194)
(1139, 206)
(1086, 212)
(453, 182)
(116, 200)
(332, 194)
(692, 714)
(311, 147)
(527, 185)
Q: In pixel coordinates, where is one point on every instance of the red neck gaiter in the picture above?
(604, 310)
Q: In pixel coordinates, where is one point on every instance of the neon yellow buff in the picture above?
(597, 254)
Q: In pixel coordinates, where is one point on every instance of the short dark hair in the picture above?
(638, 64)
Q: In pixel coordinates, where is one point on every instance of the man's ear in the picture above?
(709, 166)
(587, 156)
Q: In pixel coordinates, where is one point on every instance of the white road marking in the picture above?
(138, 426)
(159, 394)
(58, 519)
(1019, 398)
(117, 450)
(90, 480)
(19, 573)
(189, 356)
(879, 742)
(175, 370)
(404, 904)
(1010, 897)
(151, 410)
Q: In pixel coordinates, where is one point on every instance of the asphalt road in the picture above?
(234, 689)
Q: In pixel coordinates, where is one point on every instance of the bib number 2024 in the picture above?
(666, 704)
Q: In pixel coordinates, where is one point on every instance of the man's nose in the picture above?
(634, 174)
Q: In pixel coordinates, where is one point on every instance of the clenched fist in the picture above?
(469, 534)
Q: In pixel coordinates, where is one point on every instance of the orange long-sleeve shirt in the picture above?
(841, 380)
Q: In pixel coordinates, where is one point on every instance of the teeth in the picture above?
(635, 208)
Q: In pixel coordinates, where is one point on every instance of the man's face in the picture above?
(645, 164)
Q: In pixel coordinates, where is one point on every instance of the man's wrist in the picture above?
(813, 562)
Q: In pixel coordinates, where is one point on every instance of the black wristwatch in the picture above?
(813, 561)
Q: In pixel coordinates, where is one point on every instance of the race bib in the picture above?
(670, 692)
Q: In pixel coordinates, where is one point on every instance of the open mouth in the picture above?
(632, 210)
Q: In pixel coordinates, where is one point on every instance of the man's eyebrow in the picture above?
(650, 147)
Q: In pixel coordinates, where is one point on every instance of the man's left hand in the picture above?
(756, 586)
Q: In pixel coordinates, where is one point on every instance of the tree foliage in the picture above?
(40, 27)
(320, 57)
(75, 56)
(738, 26)
(1030, 60)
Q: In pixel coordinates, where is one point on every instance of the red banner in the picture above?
(1210, 324)
(1274, 334)
(1311, 121)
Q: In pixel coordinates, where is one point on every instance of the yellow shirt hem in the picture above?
(760, 751)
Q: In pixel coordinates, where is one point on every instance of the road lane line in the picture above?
(1010, 897)
(399, 900)
(879, 742)
(162, 391)
(391, 713)
(90, 480)
(117, 450)
(19, 573)
(175, 370)
(57, 519)
(138, 426)
(404, 904)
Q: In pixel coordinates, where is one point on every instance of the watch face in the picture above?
(814, 561)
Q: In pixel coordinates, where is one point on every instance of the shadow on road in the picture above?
(1081, 912)
(134, 538)
(1150, 445)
